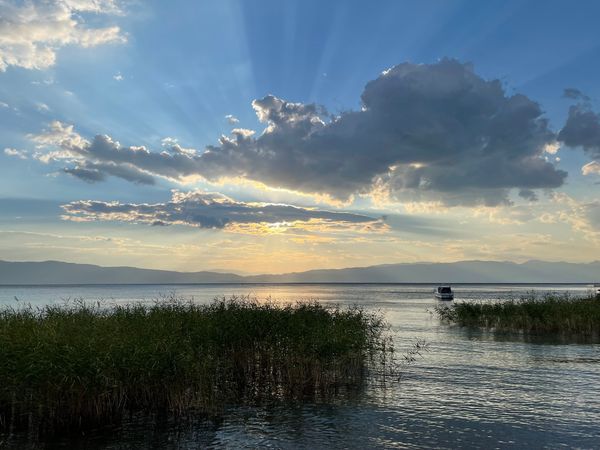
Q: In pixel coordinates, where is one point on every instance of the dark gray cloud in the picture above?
(95, 172)
(575, 94)
(210, 210)
(424, 132)
(528, 194)
(175, 163)
(582, 129)
(87, 175)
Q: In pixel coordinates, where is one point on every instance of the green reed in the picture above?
(81, 365)
(550, 314)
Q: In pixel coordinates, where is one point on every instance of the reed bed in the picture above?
(551, 314)
(81, 365)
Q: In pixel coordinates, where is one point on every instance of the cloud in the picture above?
(21, 154)
(57, 142)
(552, 148)
(583, 217)
(31, 31)
(575, 94)
(94, 172)
(528, 194)
(232, 119)
(58, 134)
(118, 76)
(582, 129)
(591, 168)
(28, 245)
(70, 143)
(87, 175)
(592, 210)
(213, 210)
(425, 133)
(47, 82)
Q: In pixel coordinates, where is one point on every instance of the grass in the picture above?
(550, 314)
(81, 365)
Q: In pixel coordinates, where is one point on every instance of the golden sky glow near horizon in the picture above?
(514, 234)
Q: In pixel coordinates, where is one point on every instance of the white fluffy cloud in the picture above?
(591, 168)
(57, 142)
(31, 31)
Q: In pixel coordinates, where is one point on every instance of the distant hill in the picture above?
(55, 272)
(455, 272)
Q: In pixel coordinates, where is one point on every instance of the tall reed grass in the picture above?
(82, 365)
(550, 314)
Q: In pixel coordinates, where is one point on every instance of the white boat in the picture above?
(597, 288)
(443, 293)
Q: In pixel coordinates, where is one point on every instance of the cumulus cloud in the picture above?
(58, 134)
(31, 31)
(59, 142)
(91, 170)
(213, 210)
(582, 129)
(425, 132)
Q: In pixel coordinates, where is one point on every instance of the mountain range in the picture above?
(56, 272)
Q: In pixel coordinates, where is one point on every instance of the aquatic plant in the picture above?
(549, 314)
(78, 365)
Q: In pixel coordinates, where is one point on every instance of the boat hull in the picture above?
(446, 297)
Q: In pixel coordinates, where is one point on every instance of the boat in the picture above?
(597, 288)
(443, 293)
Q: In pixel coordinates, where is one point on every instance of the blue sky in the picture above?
(177, 69)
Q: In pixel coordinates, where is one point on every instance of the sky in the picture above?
(269, 136)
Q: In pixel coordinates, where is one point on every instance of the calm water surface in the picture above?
(471, 390)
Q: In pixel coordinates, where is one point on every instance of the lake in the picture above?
(471, 389)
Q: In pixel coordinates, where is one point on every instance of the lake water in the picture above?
(471, 390)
